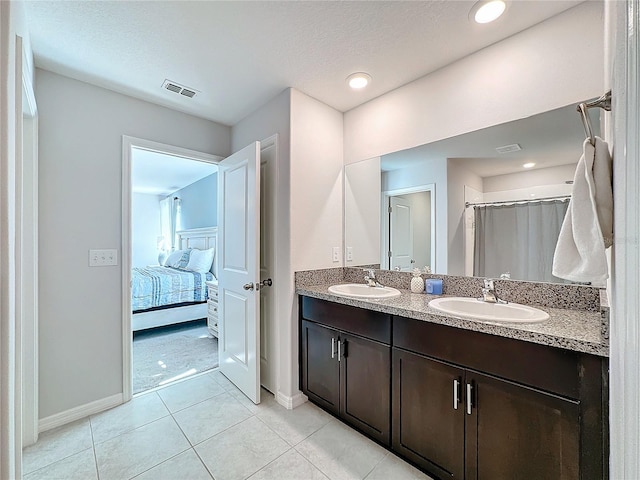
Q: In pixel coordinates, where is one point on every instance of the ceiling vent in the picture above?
(179, 89)
(509, 148)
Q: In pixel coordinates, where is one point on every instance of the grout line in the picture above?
(269, 463)
(158, 464)
(93, 447)
(298, 443)
(177, 382)
(136, 427)
(218, 433)
(189, 406)
(376, 465)
(203, 463)
(24, 473)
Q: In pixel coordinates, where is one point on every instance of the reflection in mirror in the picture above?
(495, 200)
(407, 228)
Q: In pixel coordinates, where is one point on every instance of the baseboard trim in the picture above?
(291, 402)
(77, 413)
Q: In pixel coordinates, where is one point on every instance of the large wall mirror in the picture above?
(487, 203)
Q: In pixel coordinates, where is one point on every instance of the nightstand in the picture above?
(212, 308)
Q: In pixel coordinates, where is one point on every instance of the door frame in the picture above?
(384, 241)
(128, 144)
(271, 338)
(27, 301)
(623, 77)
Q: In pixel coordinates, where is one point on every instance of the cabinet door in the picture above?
(428, 414)
(517, 432)
(320, 367)
(365, 396)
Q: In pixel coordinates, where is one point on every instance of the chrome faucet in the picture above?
(489, 294)
(370, 278)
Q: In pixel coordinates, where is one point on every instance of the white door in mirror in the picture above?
(478, 310)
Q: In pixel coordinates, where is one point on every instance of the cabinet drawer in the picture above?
(550, 369)
(212, 309)
(213, 293)
(366, 323)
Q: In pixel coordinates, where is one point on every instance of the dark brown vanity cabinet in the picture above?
(473, 406)
(464, 404)
(347, 370)
(459, 424)
(428, 411)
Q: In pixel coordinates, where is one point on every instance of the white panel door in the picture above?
(239, 269)
(400, 234)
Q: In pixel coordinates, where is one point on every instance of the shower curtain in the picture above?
(518, 238)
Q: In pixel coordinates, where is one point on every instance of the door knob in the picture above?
(248, 286)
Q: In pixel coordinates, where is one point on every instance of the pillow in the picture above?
(178, 259)
(200, 260)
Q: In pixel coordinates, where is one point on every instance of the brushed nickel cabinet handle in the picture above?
(456, 398)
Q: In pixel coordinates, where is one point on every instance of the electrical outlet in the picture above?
(336, 254)
(349, 254)
(103, 258)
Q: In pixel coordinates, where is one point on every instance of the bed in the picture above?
(164, 295)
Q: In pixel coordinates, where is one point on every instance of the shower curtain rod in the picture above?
(508, 202)
(603, 102)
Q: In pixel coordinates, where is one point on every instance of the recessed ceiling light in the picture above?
(529, 165)
(358, 80)
(487, 11)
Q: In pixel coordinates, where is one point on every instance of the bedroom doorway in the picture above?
(172, 219)
(267, 349)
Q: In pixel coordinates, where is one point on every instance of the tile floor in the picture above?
(204, 428)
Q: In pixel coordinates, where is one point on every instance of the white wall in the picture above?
(362, 211)
(81, 128)
(316, 195)
(530, 178)
(457, 178)
(430, 171)
(145, 229)
(548, 66)
(199, 203)
(316, 183)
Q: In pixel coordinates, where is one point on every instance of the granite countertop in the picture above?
(577, 330)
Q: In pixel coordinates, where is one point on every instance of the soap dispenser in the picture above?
(417, 283)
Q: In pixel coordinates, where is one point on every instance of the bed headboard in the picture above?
(202, 239)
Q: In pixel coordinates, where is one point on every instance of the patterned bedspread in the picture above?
(158, 286)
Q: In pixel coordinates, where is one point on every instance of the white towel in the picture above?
(587, 229)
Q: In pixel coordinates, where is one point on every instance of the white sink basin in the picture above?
(360, 290)
(476, 309)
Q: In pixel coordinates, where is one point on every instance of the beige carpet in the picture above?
(163, 354)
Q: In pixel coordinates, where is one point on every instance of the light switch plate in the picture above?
(103, 258)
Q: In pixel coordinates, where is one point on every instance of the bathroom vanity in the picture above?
(460, 399)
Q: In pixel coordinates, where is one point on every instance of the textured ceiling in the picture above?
(239, 55)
